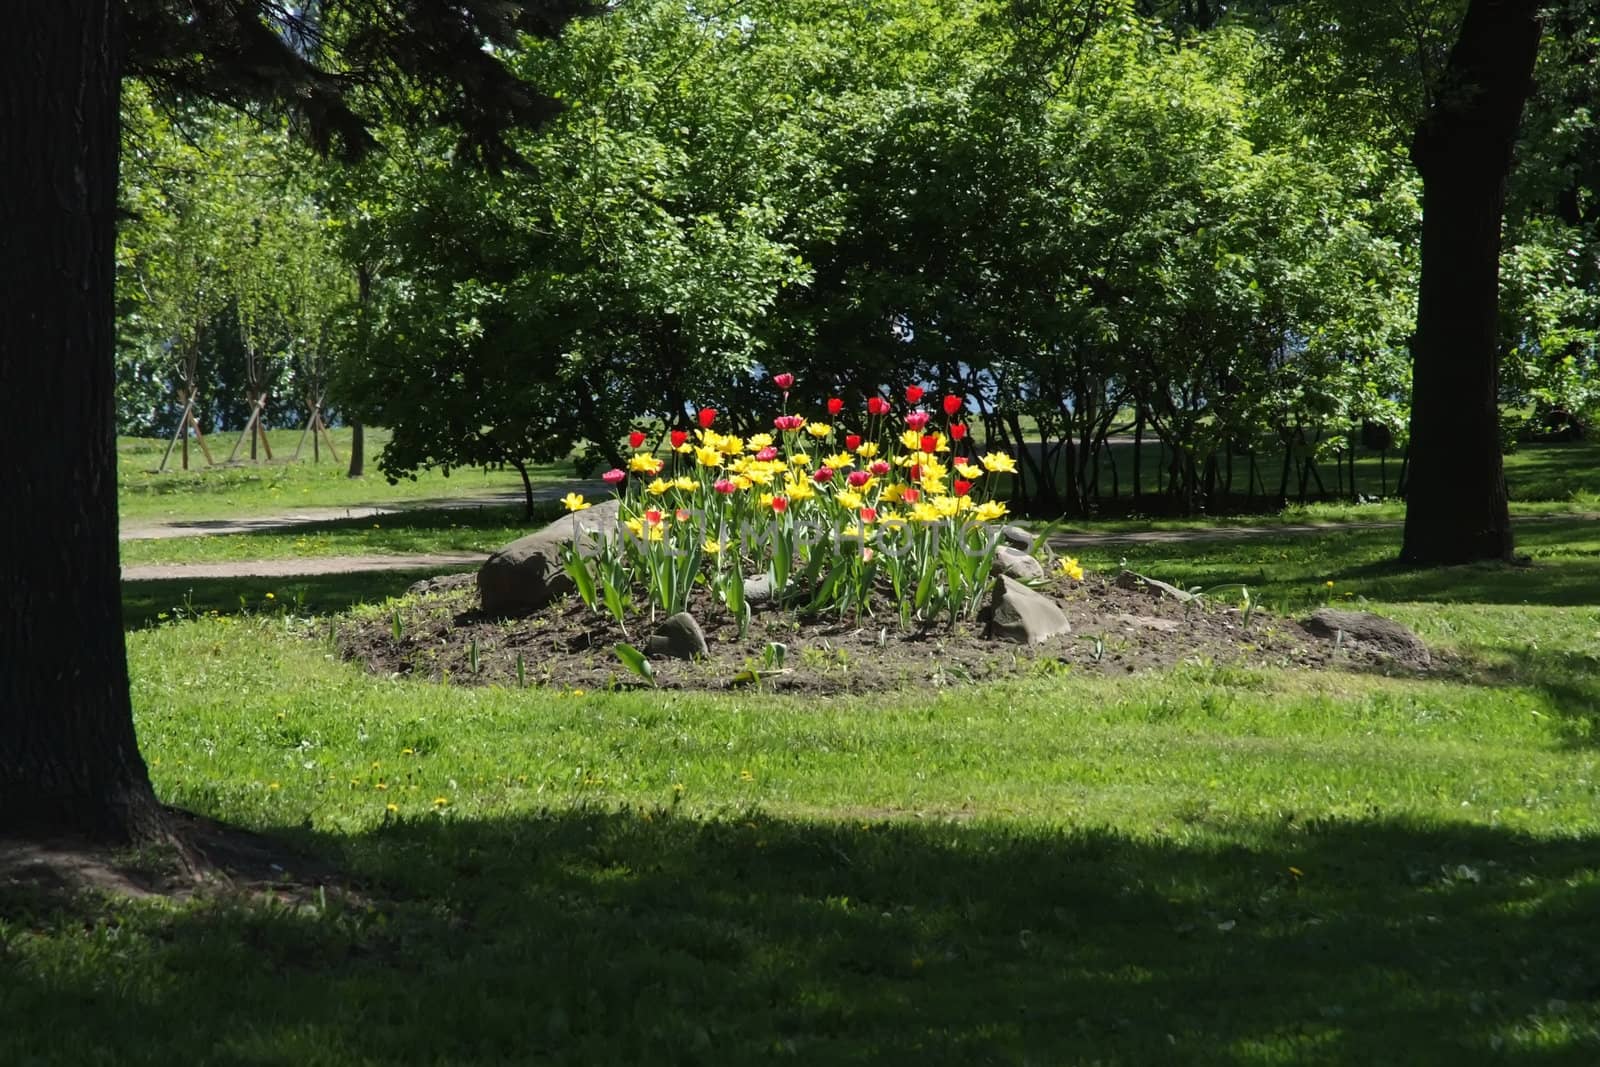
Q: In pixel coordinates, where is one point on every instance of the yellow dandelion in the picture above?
(1070, 568)
(440, 802)
(272, 596)
(391, 808)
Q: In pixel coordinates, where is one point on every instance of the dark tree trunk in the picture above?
(1456, 507)
(358, 448)
(69, 762)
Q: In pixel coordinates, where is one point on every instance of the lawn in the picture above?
(282, 485)
(1217, 864)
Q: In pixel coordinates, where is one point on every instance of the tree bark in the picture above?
(358, 449)
(69, 762)
(1456, 509)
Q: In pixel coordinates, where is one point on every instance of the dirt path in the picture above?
(289, 568)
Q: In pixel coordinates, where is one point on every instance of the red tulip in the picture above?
(911, 496)
(635, 439)
(615, 476)
(929, 442)
(916, 472)
(707, 416)
(958, 430)
(679, 437)
(780, 504)
(877, 405)
(962, 486)
(953, 404)
(869, 514)
(783, 381)
(858, 478)
(835, 405)
(852, 441)
(917, 419)
(653, 516)
(879, 467)
(682, 514)
(723, 486)
(767, 455)
(823, 476)
(789, 422)
(913, 394)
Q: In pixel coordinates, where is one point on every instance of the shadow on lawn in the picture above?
(644, 937)
(146, 604)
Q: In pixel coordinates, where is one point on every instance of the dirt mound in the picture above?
(1115, 630)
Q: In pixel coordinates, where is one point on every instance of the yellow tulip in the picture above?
(572, 502)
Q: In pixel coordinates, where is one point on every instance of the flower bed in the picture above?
(828, 514)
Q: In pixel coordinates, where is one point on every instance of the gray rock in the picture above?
(1370, 633)
(758, 590)
(678, 637)
(1018, 565)
(1130, 580)
(526, 575)
(1020, 615)
(442, 583)
(1017, 538)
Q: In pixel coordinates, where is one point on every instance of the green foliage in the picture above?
(228, 281)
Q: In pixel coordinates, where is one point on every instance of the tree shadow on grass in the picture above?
(645, 937)
(146, 604)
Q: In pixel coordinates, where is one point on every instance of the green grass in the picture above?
(279, 485)
(1217, 864)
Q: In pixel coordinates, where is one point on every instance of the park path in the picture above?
(323, 565)
(148, 529)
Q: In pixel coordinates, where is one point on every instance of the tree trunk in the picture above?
(1456, 507)
(358, 449)
(69, 762)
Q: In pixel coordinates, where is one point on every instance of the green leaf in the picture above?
(635, 661)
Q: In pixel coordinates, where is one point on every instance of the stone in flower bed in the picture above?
(1019, 614)
(526, 575)
(1371, 634)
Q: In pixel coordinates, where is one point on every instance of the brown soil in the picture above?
(1114, 631)
(200, 857)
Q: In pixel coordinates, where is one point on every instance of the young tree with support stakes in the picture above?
(69, 760)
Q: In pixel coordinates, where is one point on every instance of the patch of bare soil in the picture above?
(442, 635)
(202, 857)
